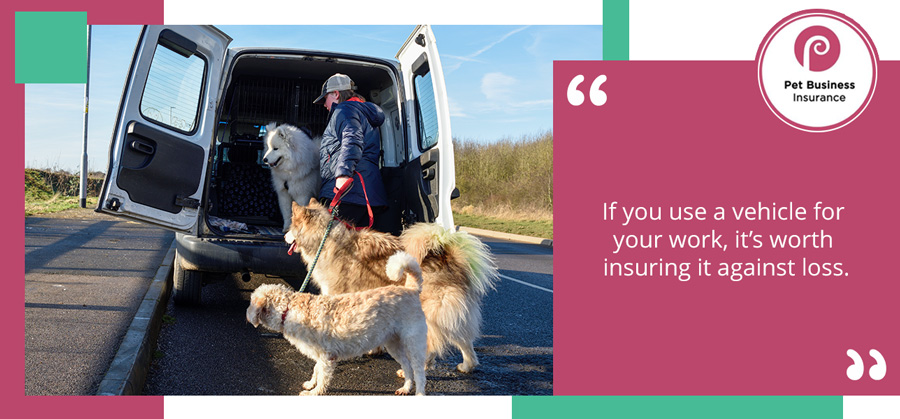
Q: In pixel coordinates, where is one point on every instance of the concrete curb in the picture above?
(507, 236)
(128, 371)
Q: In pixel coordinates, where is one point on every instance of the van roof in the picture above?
(312, 54)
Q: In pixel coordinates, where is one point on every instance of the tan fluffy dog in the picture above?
(332, 328)
(457, 269)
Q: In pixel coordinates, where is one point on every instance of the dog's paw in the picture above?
(465, 369)
(309, 385)
(317, 391)
(402, 391)
(400, 373)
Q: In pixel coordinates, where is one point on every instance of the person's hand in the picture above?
(339, 182)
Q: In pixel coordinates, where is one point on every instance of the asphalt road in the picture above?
(212, 350)
(85, 276)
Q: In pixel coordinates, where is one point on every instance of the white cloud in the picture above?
(456, 110)
(497, 87)
(457, 57)
(538, 103)
(460, 60)
(503, 93)
(502, 38)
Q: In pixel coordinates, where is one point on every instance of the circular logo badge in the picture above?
(817, 48)
(817, 70)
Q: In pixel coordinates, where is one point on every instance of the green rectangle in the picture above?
(51, 47)
(687, 407)
(615, 30)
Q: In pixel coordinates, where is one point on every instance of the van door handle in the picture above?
(142, 147)
(428, 174)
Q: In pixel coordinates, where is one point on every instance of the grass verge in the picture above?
(54, 204)
(47, 192)
(534, 228)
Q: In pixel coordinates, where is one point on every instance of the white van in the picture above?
(187, 148)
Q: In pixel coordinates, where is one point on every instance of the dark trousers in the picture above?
(353, 214)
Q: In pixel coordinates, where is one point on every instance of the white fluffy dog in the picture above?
(294, 159)
(328, 329)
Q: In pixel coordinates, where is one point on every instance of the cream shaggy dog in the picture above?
(457, 268)
(294, 159)
(328, 329)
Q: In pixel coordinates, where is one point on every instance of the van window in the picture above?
(171, 96)
(428, 122)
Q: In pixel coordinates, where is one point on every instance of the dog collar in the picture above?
(284, 316)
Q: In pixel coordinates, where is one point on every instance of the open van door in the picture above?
(428, 116)
(166, 122)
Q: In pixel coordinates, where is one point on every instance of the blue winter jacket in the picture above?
(352, 143)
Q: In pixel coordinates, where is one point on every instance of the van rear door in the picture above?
(429, 120)
(166, 122)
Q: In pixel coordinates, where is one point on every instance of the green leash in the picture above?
(309, 272)
(333, 208)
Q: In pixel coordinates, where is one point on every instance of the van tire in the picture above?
(187, 284)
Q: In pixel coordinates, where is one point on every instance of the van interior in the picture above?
(280, 88)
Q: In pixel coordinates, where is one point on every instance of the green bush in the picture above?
(506, 176)
(46, 183)
(50, 191)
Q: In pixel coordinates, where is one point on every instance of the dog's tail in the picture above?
(403, 263)
(464, 271)
(425, 239)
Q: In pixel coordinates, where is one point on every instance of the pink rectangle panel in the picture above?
(698, 134)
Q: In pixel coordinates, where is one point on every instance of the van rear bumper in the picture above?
(230, 255)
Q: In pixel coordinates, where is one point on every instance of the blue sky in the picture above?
(499, 80)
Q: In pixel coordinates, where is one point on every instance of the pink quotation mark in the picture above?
(817, 48)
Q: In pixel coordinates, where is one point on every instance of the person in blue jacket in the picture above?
(351, 147)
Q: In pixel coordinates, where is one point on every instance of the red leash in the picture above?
(339, 194)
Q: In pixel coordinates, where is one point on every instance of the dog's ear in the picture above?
(260, 304)
(313, 202)
(298, 212)
(286, 134)
(270, 127)
(257, 301)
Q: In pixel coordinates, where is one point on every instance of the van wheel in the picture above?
(187, 283)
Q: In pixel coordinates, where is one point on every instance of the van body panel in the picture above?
(429, 116)
(158, 155)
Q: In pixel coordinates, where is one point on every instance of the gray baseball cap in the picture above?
(338, 82)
